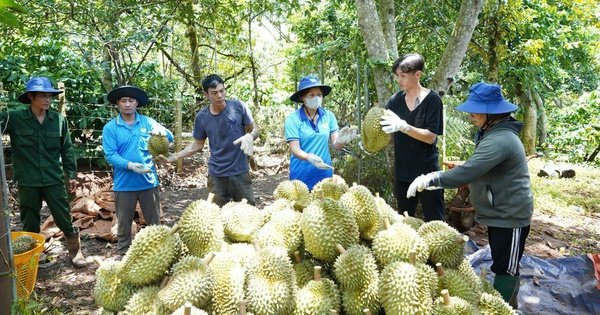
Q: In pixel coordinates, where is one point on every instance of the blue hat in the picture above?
(128, 91)
(307, 82)
(485, 98)
(37, 84)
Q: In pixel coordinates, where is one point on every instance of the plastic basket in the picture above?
(26, 264)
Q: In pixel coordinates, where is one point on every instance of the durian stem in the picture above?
(412, 257)
(446, 296)
(208, 258)
(174, 229)
(211, 197)
(317, 273)
(406, 214)
(333, 312)
(340, 248)
(164, 282)
(297, 257)
(187, 308)
(386, 223)
(256, 246)
(439, 269)
(463, 239)
(242, 307)
(366, 311)
(377, 194)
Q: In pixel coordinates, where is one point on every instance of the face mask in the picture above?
(314, 103)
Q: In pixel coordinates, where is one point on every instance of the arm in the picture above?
(297, 151)
(421, 134)
(190, 149)
(66, 151)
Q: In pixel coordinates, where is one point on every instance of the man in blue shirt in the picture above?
(125, 143)
(230, 129)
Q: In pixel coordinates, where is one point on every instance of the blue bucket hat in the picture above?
(37, 84)
(485, 98)
(128, 91)
(307, 82)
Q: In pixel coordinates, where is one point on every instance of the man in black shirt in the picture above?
(417, 113)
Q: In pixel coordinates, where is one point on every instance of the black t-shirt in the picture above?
(413, 157)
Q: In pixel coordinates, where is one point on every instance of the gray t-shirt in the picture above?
(226, 159)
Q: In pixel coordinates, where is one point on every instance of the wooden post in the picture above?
(62, 108)
(178, 131)
(7, 281)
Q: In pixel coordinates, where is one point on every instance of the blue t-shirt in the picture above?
(313, 138)
(123, 143)
(226, 159)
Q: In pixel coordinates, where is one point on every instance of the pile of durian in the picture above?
(335, 250)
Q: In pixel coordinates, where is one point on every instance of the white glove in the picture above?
(137, 168)
(317, 162)
(172, 157)
(347, 134)
(246, 143)
(422, 182)
(390, 123)
(158, 129)
(362, 148)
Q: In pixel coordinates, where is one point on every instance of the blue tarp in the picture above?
(548, 286)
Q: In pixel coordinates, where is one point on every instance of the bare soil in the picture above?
(62, 289)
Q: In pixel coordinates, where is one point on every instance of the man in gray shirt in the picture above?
(230, 129)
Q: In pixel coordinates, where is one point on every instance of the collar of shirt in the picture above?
(304, 117)
(29, 115)
(120, 120)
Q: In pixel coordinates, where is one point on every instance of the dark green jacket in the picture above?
(41, 153)
(498, 178)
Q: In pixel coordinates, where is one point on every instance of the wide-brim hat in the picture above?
(307, 82)
(128, 91)
(37, 84)
(485, 98)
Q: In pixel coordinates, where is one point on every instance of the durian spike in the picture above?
(386, 223)
(174, 229)
(242, 307)
(366, 311)
(463, 239)
(244, 200)
(333, 312)
(412, 257)
(187, 308)
(256, 246)
(317, 273)
(297, 257)
(446, 296)
(318, 193)
(211, 197)
(439, 269)
(164, 281)
(208, 258)
(340, 248)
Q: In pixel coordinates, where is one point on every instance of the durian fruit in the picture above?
(158, 144)
(241, 220)
(110, 291)
(373, 138)
(21, 246)
(150, 255)
(201, 227)
(275, 206)
(102, 311)
(401, 291)
(142, 302)
(396, 242)
(318, 296)
(192, 280)
(386, 211)
(492, 305)
(445, 244)
(358, 277)
(452, 305)
(246, 254)
(458, 285)
(331, 187)
(303, 268)
(271, 289)
(229, 283)
(324, 225)
(361, 203)
(189, 309)
(414, 222)
(282, 230)
(293, 190)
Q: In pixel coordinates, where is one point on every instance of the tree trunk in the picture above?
(370, 27)
(542, 131)
(528, 134)
(192, 36)
(387, 12)
(107, 78)
(458, 43)
(252, 61)
(494, 40)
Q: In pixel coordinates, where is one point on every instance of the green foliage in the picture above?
(6, 16)
(574, 131)
(459, 132)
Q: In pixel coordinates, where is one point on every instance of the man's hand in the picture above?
(422, 182)
(246, 143)
(171, 158)
(137, 168)
(347, 134)
(390, 123)
(317, 162)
